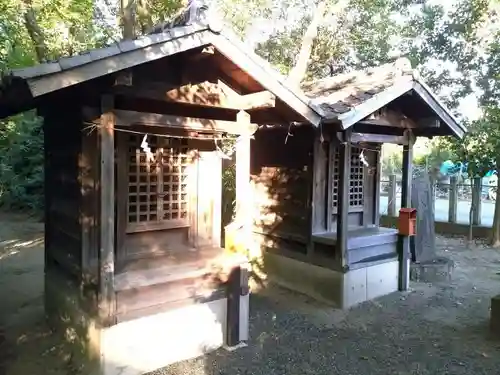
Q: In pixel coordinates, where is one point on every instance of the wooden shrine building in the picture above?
(316, 189)
(135, 274)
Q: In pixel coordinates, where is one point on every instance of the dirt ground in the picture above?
(451, 319)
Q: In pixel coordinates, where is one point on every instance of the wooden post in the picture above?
(453, 200)
(237, 286)
(107, 223)
(243, 191)
(476, 201)
(343, 200)
(391, 198)
(320, 176)
(376, 194)
(407, 175)
(403, 241)
(238, 279)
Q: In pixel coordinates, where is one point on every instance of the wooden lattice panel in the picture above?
(355, 180)
(157, 186)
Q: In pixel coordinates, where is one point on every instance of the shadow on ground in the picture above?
(434, 329)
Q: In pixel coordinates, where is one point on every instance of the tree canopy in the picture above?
(455, 48)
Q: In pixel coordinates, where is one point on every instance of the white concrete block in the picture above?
(381, 279)
(149, 343)
(354, 288)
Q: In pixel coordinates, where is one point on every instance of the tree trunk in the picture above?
(35, 32)
(128, 18)
(495, 229)
(299, 70)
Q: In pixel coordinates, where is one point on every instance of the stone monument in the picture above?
(426, 265)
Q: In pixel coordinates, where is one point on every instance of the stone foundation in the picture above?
(140, 345)
(436, 270)
(343, 290)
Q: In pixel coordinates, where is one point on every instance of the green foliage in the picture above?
(481, 146)
(392, 163)
(355, 33)
(21, 162)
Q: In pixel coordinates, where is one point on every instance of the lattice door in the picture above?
(355, 181)
(157, 186)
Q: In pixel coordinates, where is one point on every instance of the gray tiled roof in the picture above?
(340, 94)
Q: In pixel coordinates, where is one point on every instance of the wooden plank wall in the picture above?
(62, 142)
(90, 196)
(281, 173)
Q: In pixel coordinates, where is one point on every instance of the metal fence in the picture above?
(452, 201)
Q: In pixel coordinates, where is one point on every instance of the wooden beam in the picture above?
(205, 94)
(378, 138)
(129, 118)
(388, 117)
(107, 301)
(429, 122)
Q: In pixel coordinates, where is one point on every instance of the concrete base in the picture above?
(436, 270)
(340, 289)
(141, 345)
(495, 315)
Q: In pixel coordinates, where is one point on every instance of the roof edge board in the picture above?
(114, 49)
(373, 104)
(45, 84)
(442, 112)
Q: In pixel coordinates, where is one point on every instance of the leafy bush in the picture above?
(21, 162)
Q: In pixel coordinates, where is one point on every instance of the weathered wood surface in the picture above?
(206, 93)
(107, 301)
(320, 184)
(62, 152)
(423, 245)
(129, 118)
(282, 181)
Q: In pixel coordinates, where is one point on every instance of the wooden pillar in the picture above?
(343, 199)
(404, 241)
(107, 223)
(453, 200)
(376, 192)
(238, 279)
(391, 197)
(320, 179)
(47, 190)
(243, 191)
(237, 286)
(476, 201)
(407, 173)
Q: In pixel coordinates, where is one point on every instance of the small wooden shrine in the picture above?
(135, 274)
(316, 189)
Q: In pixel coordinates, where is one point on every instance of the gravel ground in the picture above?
(433, 329)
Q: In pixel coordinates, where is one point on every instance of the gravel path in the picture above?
(433, 329)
